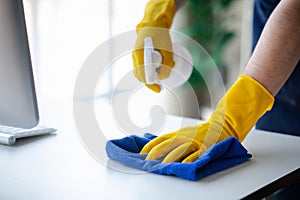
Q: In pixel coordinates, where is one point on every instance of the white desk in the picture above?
(59, 167)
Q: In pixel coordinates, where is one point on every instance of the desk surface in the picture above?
(59, 167)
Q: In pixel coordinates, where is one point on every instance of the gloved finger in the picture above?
(163, 72)
(150, 145)
(194, 156)
(167, 64)
(139, 70)
(155, 87)
(139, 73)
(164, 148)
(180, 152)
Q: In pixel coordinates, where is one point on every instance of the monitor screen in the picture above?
(18, 104)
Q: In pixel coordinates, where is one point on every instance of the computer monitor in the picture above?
(18, 104)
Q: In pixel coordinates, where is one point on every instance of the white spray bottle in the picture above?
(181, 71)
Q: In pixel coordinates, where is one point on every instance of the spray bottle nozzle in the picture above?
(152, 61)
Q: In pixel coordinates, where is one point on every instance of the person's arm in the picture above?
(273, 60)
(278, 49)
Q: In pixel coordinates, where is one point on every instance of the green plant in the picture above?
(206, 23)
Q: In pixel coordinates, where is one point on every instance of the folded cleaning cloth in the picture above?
(219, 157)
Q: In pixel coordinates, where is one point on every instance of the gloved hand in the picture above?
(156, 23)
(236, 113)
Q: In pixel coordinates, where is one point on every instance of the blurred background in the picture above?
(62, 33)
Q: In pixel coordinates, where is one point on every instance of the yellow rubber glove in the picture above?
(236, 113)
(158, 17)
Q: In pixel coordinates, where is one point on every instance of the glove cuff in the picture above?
(247, 100)
(244, 103)
(158, 13)
(267, 100)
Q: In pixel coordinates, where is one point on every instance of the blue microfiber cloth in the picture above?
(219, 157)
